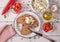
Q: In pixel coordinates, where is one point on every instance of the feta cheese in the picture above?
(29, 20)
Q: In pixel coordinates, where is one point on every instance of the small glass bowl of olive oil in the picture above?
(47, 15)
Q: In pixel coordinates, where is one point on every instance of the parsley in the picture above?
(5, 16)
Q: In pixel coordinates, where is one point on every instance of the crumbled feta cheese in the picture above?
(29, 20)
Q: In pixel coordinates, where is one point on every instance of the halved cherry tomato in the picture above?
(47, 26)
(17, 7)
(46, 30)
(51, 27)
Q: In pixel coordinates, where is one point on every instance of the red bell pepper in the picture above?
(9, 4)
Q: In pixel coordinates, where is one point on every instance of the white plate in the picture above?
(37, 28)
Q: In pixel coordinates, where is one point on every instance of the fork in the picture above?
(40, 34)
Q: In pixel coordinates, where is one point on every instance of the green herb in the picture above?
(33, 24)
(57, 18)
(11, 24)
(33, 0)
(29, 37)
(34, 37)
(57, 21)
(54, 17)
(27, 4)
(5, 16)
(49, 24)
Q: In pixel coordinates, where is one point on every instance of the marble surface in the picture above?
(11, 16)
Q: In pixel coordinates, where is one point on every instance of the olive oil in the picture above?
(47, 15)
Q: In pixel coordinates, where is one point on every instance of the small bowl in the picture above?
(49, 32)
(37, 11)
(20, 25)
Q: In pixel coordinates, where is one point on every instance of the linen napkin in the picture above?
(6, 33)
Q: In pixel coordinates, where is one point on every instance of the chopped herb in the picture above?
(57, 21)
(27, 4)
(34, 37)
(33, 0)
(11, 24)
(5, 16)
(29, 37)
(33, 24)
(57, 18)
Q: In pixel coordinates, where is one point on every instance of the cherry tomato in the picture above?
(51, 27)
(17, 7)
(44, 26)
(46, 30)
(47, 26)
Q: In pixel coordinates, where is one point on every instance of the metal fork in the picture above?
(40, 34)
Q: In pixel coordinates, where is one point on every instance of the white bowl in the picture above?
(35, 10)
(49, 32)
(37, 28)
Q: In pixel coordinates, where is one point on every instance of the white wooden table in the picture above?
(11, 16)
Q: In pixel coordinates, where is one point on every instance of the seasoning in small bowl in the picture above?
(47, 15)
